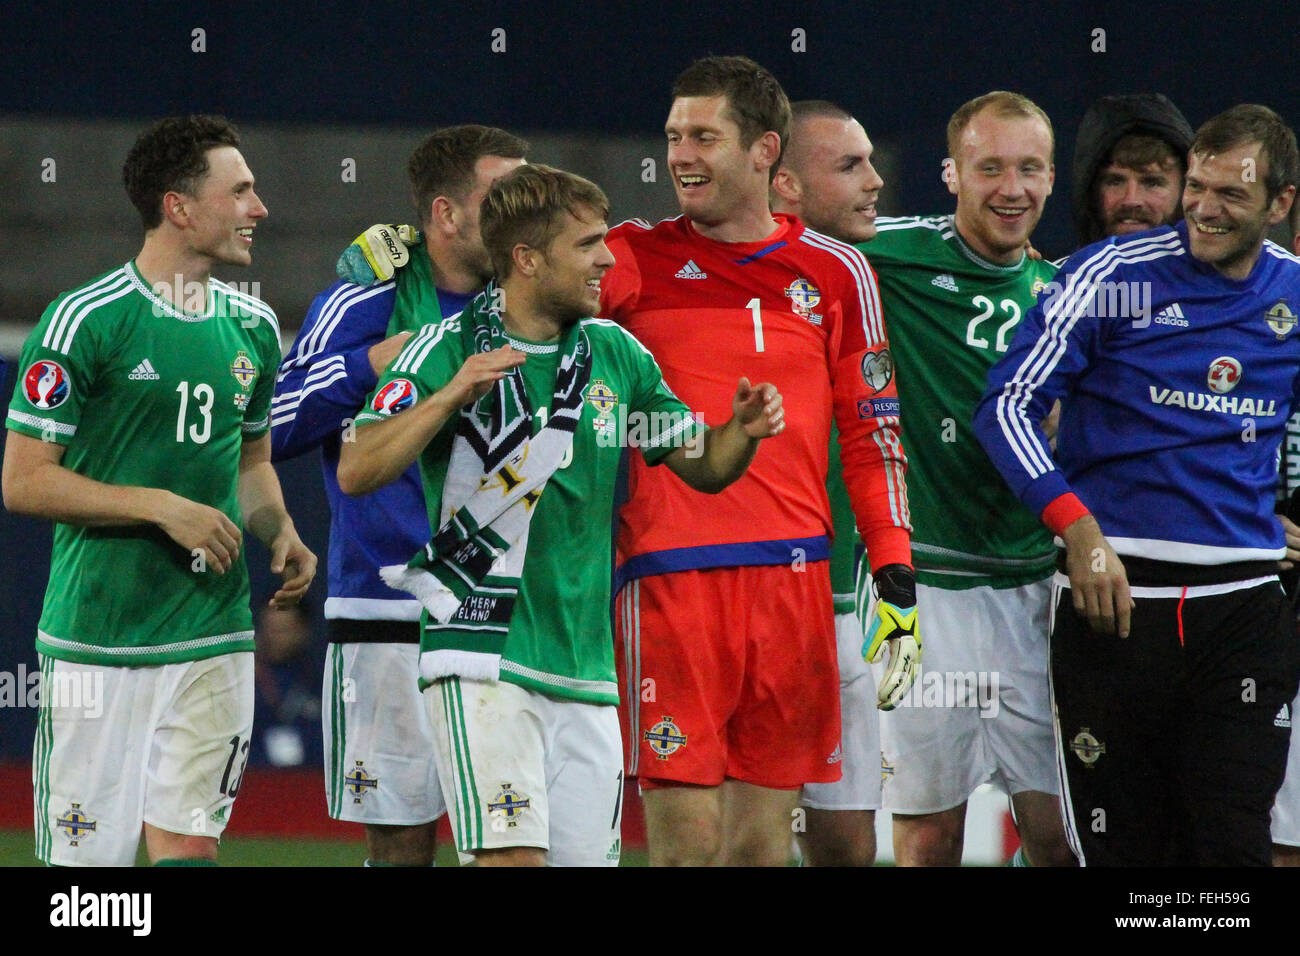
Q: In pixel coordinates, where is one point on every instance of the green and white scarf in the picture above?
(467, 576)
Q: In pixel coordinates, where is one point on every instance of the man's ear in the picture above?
(766, 150)
(526, 259)
(442, 216)
(173, 209)
(1280, 208)
(787, 187)
(950, 174)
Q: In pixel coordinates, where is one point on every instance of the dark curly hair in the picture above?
(171, 155)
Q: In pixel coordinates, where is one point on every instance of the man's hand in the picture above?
(1292, 532)
(894, 623)
(196, 526)
(377, 254)
(757, 408)
(294, 562)
(381, 354)
(1098, 582)
(479, 373)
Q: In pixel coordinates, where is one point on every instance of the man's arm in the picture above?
(262, 503)
(381, 451)
(726, 452)
(867, 412)
(1052, 348)
(36, 483)
(333, 364)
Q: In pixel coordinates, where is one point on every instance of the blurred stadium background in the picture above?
(322, 89)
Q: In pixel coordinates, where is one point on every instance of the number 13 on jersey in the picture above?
(200, 432)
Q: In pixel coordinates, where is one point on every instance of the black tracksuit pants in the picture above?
(1171, 746)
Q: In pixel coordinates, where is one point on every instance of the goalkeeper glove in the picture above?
(376, 254)
(894, 623)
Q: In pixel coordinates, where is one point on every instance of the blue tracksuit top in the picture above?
(1176, 384)
(323, 379)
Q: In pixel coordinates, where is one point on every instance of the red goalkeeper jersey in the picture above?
(799, 310)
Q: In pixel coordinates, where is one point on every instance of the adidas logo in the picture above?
(945, 281)
(691, 271)
(1171, 315)
(144, 372)
(1283, 718)
(836, 755)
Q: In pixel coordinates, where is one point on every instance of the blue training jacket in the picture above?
(323, 380)
(1176, 384)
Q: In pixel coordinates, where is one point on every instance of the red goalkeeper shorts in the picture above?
(729, 672)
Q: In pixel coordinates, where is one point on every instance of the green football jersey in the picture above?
(559, 641)
(950, 315)
(846, 545)
(141, 393)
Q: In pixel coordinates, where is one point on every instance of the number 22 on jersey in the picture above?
(986, 307)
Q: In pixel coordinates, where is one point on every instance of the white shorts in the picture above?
(1286, 806)
(980, 710)
(859, 750)
(163, 745)
(379, 766)
(523, 769)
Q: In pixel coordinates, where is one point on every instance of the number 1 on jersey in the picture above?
(758, 324)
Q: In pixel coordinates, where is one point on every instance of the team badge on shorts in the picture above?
(1280, 319)
(803, 296)
(877, 369)
(1087, 747)
(359, 783)
(665, 738)
(397, 396)
(46, 385)
(243, 369)
(75, 825)
(508, 805)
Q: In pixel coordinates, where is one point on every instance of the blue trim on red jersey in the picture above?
(754, 257)
(702, 557)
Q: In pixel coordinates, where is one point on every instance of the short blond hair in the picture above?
(526, 206)
(1003, 103)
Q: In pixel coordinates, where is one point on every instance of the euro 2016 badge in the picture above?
(398, 395)
(45, 384)
(665, 738)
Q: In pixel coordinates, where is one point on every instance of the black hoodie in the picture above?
(1108, 121)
